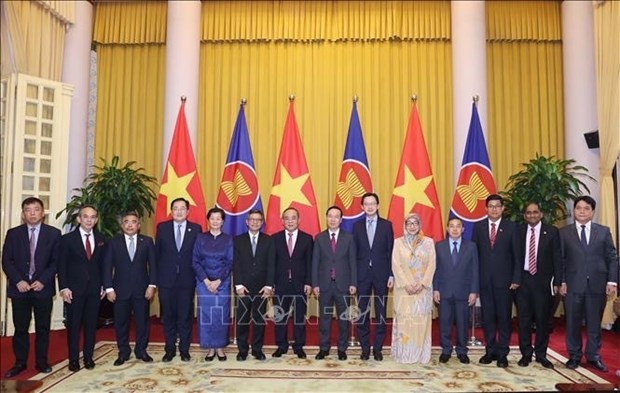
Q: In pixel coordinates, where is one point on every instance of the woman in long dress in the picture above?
(212, 262)
(413, 265)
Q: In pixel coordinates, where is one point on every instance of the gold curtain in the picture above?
(524, 61)
(380, 51)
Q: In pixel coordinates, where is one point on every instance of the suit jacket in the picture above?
(174, 267)
(548, 254)
(16, 260)
(254, 271)
(343, 260)
(75, 271)
(129, 278)
(458, 280)
(299, 263)
(381, 252)
(497, 264)
(592, 267)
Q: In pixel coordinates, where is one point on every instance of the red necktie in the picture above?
(289, 244)
(333, 242)
(89, 250)
(532, 253)
(493, 234)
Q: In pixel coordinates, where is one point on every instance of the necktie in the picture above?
(178, 237)
(532, 253)
(371, 232)
(33, 246)
(455, 253)
(89, 250)
(333, 241)
(493, 234)
(132, 248)
(584, 239)
(254, 245)
(289, 244)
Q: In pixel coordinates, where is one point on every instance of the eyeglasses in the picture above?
(412, 223)
(494, 206)
(255, 219)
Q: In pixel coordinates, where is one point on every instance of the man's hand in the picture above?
(37, 286)
(149, 293)
(307, 289)
(23, 286)
(611, 290)
(563, 289)
(471, 300)
(111, 296)
(436, 297)
(352, 290)
(514, 286)
(67, 295)
(265, 292)
(317, 291)
(241, 291)
(390, 283)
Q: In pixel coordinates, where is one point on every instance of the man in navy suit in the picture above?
(500, 275)
(292, 278)
(334, 279)
(455, 288)
(79, 278)
(29, 260)
(537, 251)
(589, 276)
(374, 241)
(129, 278)
(174, 244)
(253, 274)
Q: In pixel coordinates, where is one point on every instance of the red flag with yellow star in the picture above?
(292, 185)
(180, 179)
(414, 188)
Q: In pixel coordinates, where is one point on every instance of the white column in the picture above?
(75, 71)
(579, 69)
(182, 68)
(469, 71)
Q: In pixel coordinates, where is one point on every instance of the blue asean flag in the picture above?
(239, 191)
(475, 182)
(354, 180)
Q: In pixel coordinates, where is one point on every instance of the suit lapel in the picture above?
(593, 233)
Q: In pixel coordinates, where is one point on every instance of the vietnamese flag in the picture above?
(414, 188)
(180, 179)
(292, 185)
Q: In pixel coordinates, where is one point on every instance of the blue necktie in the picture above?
(584, 239)
(455, 254)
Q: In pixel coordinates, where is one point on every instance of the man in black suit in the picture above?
(253, 275)
(537, 251)
(499, 276)
(455, 288)
(174, 244)
(374, 241)
(589, 276)
(334, 279)
(129, 278)
(29, 260)
(79, 278)
(292, 278)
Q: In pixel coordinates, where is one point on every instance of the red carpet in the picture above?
(610, 350)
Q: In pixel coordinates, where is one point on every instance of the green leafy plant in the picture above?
(549, 181)
(113, 190)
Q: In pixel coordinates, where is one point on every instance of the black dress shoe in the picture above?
(597, 364)
(444, 357)
(185, 357)
(321, 355)
(120, 360)
(342, 355)
(74, 366)
(145, 358)
(378, 356)
(524, 361)
(365, 355)
(544, 362)
(89, 364)
(16, 369)
(486, 359)
(241, 356)
(502, 362)
(572, 364)
(463, 358)
(278, 353)
(259, 355)
(300, 354)
(44, 368)
(167, 357)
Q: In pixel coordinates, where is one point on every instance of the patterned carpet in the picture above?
(290, 374)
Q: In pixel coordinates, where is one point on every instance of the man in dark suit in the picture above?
(29, 260)
(499, 276)
(374, 240)
(292, 278)
(79, 278)
(455, 288)
(334, 279)
(174, 244)
(589, 275)
(129, 278)
(537, 251)
(253, 275)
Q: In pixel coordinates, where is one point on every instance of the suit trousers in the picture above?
(177, 306)
(250, 310)
(496, 319)
(285, 301)
(328, 297)
(580, 306)
(83, 311)
(123, 310)
(365, 291)
(533, 305)
(22, 314)
(453, 310)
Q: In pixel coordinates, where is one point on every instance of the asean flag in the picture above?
(292, 185)
(414, 188)
(180, 179)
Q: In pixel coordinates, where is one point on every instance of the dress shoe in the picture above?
(278, 353)
(43, 368)
(222, 357)
(378, 356)
(120, 360)
(185, 357)
(544, 362)
(259, 355)
(89, 364)
(524, 361)
(145, 358)
(242, 356)
(300, 354)
(502, 362)
(597, 364)
(321, 355)
(572, 364)
(486, 359)
(16, 369)
(74, 366)
(342, 355)
(210, 356)
(444, 357)
(365, 355)
(463, 358)
(167, 357)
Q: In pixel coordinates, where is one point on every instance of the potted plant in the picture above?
(549, 181)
